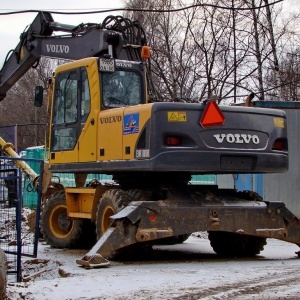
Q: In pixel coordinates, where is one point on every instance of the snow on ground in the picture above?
(187, 271)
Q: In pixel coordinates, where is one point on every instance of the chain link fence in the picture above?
(19, 213)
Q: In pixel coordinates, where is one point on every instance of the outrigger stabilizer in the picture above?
(250, 222)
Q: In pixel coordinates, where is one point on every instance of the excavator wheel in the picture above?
(58, 230)
(139, 195)
(112, 201)
(228, 244)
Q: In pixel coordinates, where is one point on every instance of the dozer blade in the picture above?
(94, 261)
(114, 239)
(150, 221)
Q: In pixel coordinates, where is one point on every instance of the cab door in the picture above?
(71, 111)
(89, 109)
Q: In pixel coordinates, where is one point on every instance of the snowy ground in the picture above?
(187, 271)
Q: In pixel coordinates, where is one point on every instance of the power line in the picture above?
(144, 10)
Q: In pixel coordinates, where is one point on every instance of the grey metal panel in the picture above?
(285, 187)
(225, 181)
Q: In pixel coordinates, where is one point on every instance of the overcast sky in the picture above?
(11, 26)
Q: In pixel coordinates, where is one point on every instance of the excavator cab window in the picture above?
(65, 113)
(66, 90)
(121, 88)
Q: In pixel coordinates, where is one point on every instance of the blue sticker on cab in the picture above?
(131, 123)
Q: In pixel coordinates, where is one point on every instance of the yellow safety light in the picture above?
(145, 54)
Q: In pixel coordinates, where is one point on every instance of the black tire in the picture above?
(111, 202)
(58, 230)
(138, 195)
(228, 244)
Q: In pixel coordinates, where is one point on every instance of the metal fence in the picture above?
(19, 213)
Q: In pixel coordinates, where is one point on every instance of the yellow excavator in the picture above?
(105, 119)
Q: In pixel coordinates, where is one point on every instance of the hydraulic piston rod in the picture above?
(9, 150)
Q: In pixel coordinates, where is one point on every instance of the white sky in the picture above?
(11, 26)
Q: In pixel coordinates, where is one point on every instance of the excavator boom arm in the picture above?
(84, 40)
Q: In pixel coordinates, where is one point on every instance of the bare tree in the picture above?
(207, 50)
(272, 42)
(282, 77)
(289, 76)
(173, 58)
(18, 108)
(258, 46)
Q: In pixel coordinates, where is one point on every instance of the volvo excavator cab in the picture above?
(81, 91)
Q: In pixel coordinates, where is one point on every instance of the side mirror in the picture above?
(38, 97)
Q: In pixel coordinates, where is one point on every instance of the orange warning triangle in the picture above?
(212, 115)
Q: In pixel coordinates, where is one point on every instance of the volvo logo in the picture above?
(57, 48)
(113, 119)
(123, 64)
(237, 138)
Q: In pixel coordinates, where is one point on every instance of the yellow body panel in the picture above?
(87, 144)
(85, 62)
(117, 136)
(87, 139)
(110, 132)
(79, 200)
(65, 156)
(75, 215)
